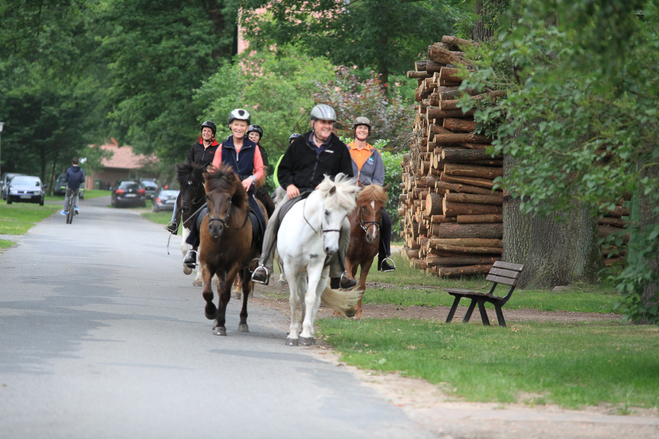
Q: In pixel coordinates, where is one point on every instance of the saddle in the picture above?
(258, 230)
(290, 203)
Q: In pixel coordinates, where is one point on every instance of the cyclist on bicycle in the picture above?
(74, 177)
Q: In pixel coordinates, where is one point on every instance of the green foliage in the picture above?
(275, 87)
(47, 93)
(158, 52)
(572, 365)
(387, 35)
(579, 119)
(391, 116)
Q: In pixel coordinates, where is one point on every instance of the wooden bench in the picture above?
(500, 273)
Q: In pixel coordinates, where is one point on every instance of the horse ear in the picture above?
(386, 188)
(333, 190)
(360, 184)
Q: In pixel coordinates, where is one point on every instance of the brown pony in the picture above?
(365, 234)
(226, 244)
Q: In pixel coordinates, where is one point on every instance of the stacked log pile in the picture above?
(450, 216)
(613, 223)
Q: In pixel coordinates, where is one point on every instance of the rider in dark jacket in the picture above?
(201, 153)
(304, 165)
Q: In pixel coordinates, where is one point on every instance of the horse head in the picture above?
(370, 204)
(338, 199)
(191, 180)
(224, 192)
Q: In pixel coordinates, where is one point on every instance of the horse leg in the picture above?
(247, 287)
(210, 311)
(282, 277)
(351, 269)
(312, 302)
(236, 290)
(366, 266)
(184, 248)
(294, 301)
(225, 295)
(197, 282)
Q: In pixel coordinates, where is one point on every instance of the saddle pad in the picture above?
(258, 231)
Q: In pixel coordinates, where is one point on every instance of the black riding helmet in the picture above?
(256, 129)
(209, 124)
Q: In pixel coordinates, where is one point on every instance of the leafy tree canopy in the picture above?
(580, 116)
(275, 87)
(158, 52)
(387, 35)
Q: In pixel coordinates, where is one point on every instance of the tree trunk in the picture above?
(647, 220)
(553, 253)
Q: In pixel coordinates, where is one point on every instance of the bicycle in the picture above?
(70, 208)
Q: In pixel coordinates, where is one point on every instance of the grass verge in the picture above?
(159, 218)
(18, 218)
(89, 194)
(572, 365)
(408, 287)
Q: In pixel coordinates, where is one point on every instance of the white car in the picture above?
(25, 188)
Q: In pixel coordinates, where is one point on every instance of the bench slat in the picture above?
(504, 273)
(454, 290)
(501, 280)
(508, 265)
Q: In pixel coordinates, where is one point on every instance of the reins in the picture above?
(318, 233)
(226, 218)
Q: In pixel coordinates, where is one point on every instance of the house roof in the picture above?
(123, 157)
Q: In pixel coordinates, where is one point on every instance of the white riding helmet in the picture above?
(239, 114)
(323, 112)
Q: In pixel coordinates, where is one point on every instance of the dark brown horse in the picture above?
(365, 234)
(226, 244)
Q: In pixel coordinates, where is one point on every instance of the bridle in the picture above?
(224, 220)
(366, 224)
(317, 232)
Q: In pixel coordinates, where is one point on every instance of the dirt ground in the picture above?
(449, 418)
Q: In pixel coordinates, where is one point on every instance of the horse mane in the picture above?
(373, 192)
(190, 172)
(224, 179)
(344, 193)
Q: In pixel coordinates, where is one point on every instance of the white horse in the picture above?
(309, 233)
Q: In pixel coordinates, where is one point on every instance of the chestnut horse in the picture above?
(226, 244)
(365, 234)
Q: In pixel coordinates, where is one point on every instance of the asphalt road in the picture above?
(102, 336)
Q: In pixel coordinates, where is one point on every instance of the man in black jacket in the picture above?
(304, 165)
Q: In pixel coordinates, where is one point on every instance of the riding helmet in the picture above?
(323, 112)
(293, 137)
(209, 124)
(239, 114)
(362, 121)
(256, 129)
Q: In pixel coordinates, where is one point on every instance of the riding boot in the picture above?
(190, 260)
(385, 263)
(173, 225)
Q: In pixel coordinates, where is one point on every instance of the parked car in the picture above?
(164, 199)
(150, 185)
(25, 188)
(128, 193)
(60, 187)
(6, 178)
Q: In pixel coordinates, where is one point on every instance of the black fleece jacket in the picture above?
(305, 168)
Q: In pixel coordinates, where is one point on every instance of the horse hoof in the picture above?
(307, 341)
(282, 283)
(187, 270)
(291, 342)
(351, 312)
(220, 330)
(211, 314)
(197, 283)
(243, 327)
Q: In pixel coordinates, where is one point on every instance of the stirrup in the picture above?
(172, 228)
(391, 262)
(261, 281)
(346, 278)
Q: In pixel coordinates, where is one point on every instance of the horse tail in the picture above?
(340, 300)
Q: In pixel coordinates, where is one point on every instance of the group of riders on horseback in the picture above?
(309, 158)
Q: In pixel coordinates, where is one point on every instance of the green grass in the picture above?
(89, 194)
(408, 286)
(572, 365)
(18, 218)
(159, 218)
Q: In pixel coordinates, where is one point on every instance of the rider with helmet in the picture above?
(367, 165)
(200, 153)
(244, 157)
(255, 134)
(304, 165)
